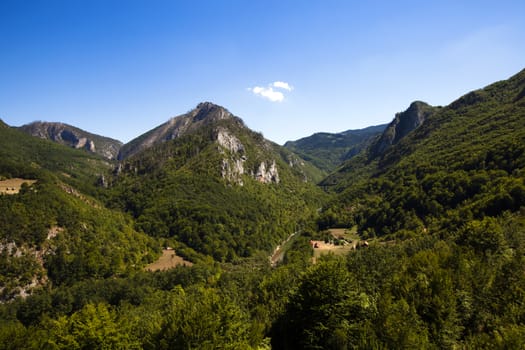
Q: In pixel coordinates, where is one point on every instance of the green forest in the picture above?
(442, 213)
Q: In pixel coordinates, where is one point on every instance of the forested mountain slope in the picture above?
(53, 231)
(445, 208)
(204, 180)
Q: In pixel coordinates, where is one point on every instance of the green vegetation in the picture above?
(51, 230)
(444, 206)
(175, 190)
(464, 163)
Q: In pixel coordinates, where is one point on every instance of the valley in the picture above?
(270, 246)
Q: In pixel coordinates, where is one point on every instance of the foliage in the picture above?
(175, 190)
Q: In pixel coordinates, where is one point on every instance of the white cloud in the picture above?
(282, 85)
(269, 93)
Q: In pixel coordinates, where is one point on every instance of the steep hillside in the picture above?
(465, 162)
(74, 137)
(52, 231)
(328, 150)
(26, 155)
(206, 181)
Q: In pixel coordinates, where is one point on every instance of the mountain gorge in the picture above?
(438, 195)
(327, 150)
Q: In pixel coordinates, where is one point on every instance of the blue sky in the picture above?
(288, 68)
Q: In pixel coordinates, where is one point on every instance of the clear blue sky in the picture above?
(121, 67)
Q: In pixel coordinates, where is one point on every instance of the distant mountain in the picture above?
(209, 183)
(329, 150)
(74, 137)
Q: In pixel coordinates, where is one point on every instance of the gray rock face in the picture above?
(74, 137)
(232, 167)
(402, 125)
(269, 175)
(229, 141)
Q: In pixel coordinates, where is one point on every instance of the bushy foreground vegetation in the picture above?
(421, 293)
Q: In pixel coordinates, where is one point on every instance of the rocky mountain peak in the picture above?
(402, 125)
(208, 110)
(205, 113)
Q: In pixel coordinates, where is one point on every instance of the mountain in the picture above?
(463, 162)
(329, 150)
(403, 123)
(74, 137)
(361, 165)
(204, 114)
(209, 183)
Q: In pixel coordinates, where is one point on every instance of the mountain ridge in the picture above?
(75, 137)
(204, 113)
(329, 150)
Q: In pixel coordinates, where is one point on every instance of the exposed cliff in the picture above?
(402, 125)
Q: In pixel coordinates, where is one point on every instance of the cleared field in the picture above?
(348, 235)
(320, 248)
(168, 260)
(12, 186)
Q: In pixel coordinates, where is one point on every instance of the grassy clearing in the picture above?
(167, 260)
(12, 186)
(347, 234)
(320, 248)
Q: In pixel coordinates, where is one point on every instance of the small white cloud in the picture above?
(269, 92)
(282, 85)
